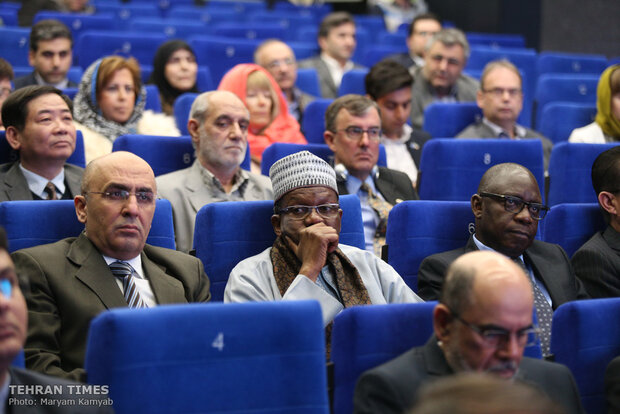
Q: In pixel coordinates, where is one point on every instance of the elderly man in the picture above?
(507, 209)
(501, 99)
(218, 124)
(597, 263)
(107, 266)
(353, 132)
(421, 29)
(306, 260)
(279, 60)
(50, 55)
(441, 78)
(483, 323)
(40, 126)
(389, 84)
(337, 43)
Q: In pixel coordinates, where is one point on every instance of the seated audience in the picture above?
(6, 76)
(441, 78)
(606, 125)
(612, 386)
(106, 266)
(501, 99)
(507, 209)
(269, 118)
(50, 55)
(421, 29)
(389, 84)
(218, 123)
(174, 72)
(353, 132)
(39, 125)
(110, 103)
(483, 323)
(306, 261)
(597, 263)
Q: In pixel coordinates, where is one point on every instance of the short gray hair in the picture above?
(450, 37)
(501, 63)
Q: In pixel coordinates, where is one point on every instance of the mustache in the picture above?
(503, 366)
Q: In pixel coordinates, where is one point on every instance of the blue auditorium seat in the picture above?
(14, 44)
(571, 63)
(7, 154)
(572, 224)
(308, 81)
(558, 119)
(353, 82)
(446, 120)
(313, 122)
(153, 101)
(171, 28)
(497, 40)
(79, 22)
(222, 53)
(91, 45)
(181, 108)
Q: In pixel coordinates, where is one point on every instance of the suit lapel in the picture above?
(165, 288)
(436, 363)
(16, 184)
(544, 272)
(326, 76)
(74, 180)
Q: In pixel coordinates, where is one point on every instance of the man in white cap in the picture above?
(306, 261)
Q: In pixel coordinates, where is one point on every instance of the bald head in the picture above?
(279, 60)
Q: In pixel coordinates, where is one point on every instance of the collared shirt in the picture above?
(37, 184)
(240, 183)
(418, 60)
(369, 216)
(335, 70)
(519, 131)
(398, 156)
(60, 85)
(142, 283)
(539, 283)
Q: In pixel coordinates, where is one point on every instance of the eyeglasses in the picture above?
(514, 204)
(499, 92)
(356, 133)
(327, 211)
(493, 336)
(143, 197)
(277, 63)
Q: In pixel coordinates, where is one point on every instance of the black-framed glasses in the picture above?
(514, 204)
(143, 197)
(356, 133)
(327, 211)
(494, 336)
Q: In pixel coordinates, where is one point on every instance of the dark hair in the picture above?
(4, 241)
(15, 108)
(48, 29)
(424, 16)
(334, 20)
(356, 105)
(386, 77)
(606, 174)
(6, 70)
(158, 76)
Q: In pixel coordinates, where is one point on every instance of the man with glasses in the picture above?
(482, 323)
(109, 265)
(279, 60)
(507, 209)
(353, 132)
(306, 260)
(501, 99)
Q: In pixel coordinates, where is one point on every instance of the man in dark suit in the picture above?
(483, 323)
(507, 208)
(50, 55)
(353, 132)
(389, 84)
(597, 262)
(40, 126)
(107, 266)
(337, 42)
(422, 28)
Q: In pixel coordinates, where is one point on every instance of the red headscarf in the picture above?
(283, 128)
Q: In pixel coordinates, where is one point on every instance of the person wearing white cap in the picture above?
(306, 261)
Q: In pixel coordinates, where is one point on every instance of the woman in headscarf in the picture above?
(110, 103)
(606, 125)
(269, 118)
(174, 72)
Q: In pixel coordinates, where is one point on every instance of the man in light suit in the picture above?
(597, 262)
(337, 42)
(107, 266)
(483, 323)
(218, 124)
(40, 126)
(353, 132)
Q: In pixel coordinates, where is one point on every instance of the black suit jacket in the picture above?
(13, 184)
(29, 79)
(415, 143)
(394, 186)
(548, 262)
(597, 264)
(392, 388)
(71, 284)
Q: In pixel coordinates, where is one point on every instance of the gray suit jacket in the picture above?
(392, 388)
(187, 192)
(423, 96)
(29, 79)
(597, 264)
(328, 87)
(71, 284)
(13, 184)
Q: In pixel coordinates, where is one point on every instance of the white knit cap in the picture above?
(302, 169)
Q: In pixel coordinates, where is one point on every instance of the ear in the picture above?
(479, 97)
(13, 138)
(608, 202)
(442, 322)
(329, 138)
(476, 206)
(192, 127)
(31, 58)
(322, 41)
(80, 208)
(275, 222)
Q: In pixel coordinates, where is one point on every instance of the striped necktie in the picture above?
(132, 295)
(382, 208)
(50, 190)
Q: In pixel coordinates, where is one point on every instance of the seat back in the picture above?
(446, 120)
(93, 44)
(496, 40)
(585, 336)
(152, 100)
(266, 357)
(15, 44)
(353, 82)
(181, 108)
(558, 119)
(8, 154)
(31, 223)
(222, 53)
(308, 81)
(554, 62)
(171, 28)
(451, 169)
(229, 232)
(571, 225)
(313, 122)
(570, 170)
(79, 22)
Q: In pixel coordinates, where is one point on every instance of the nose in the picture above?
(235, 131)
(443, 64)
(524, 215)
(401, 114)
(510, 349)
(56, 60)
(123, 94)
(130, 206)
(313, 218)
(364, 140)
